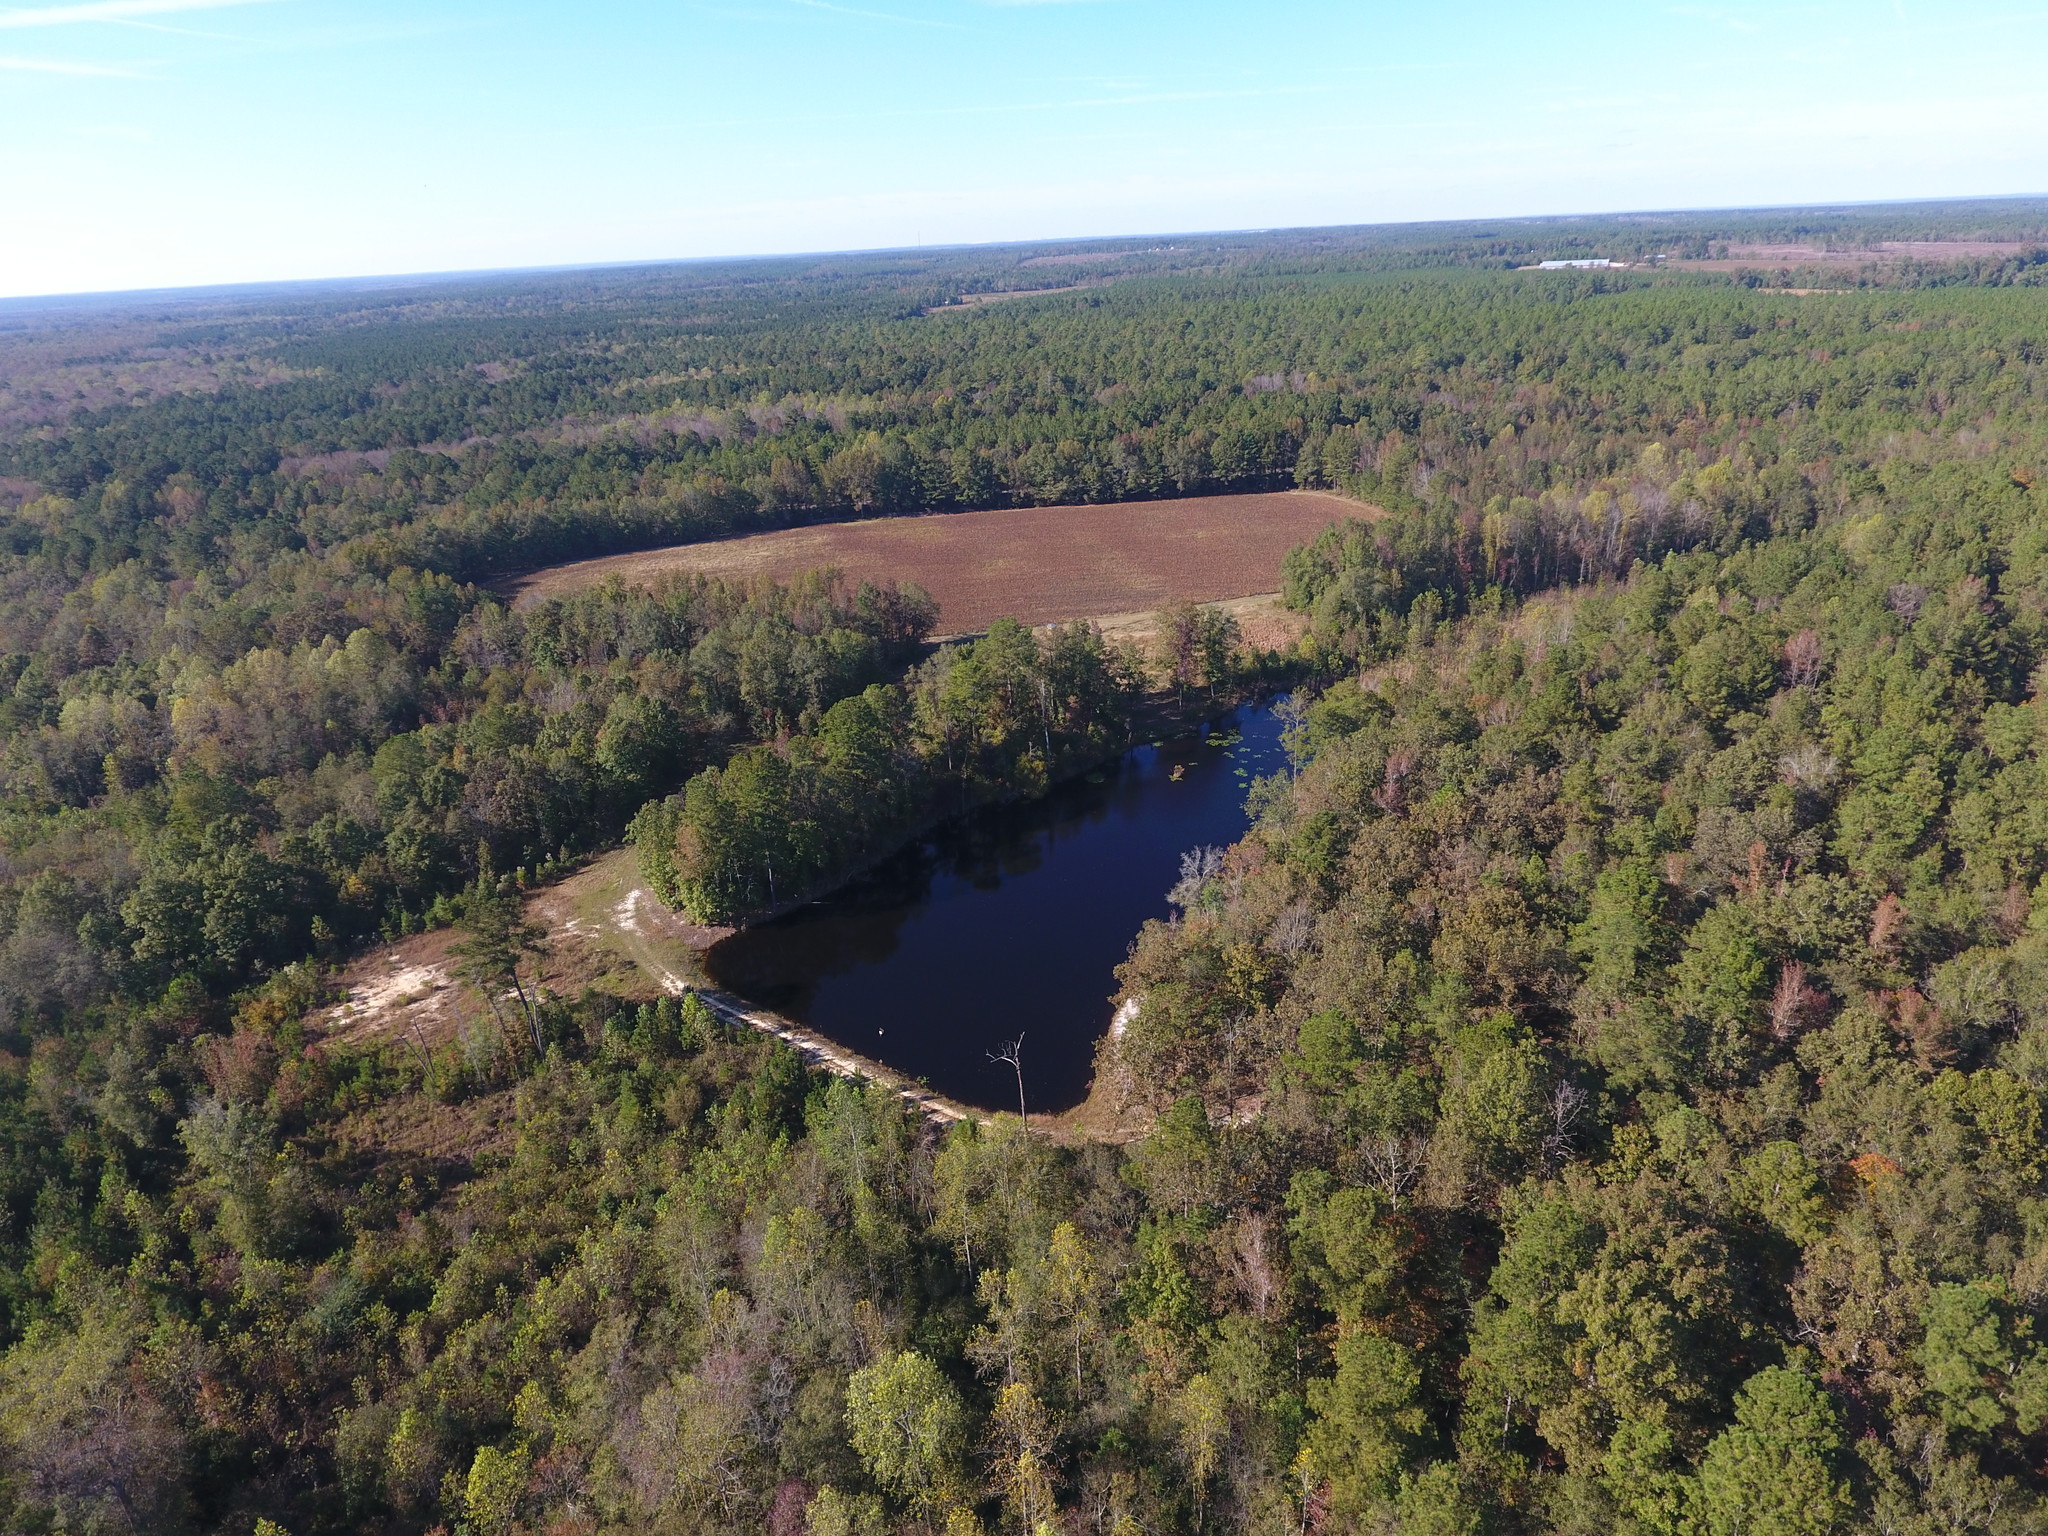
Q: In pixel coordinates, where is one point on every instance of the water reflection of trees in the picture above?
(853, 963)
(1011, 841)
(780, 964)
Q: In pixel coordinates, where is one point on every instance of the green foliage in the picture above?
(1966, 1355)
(1604, 1092)
(1624, 937)
(491, 1494)
(1433, 1502)
(1002, 716)
(833, 1513)
(91, 1443)
(1774, 1472)
(1781, 1185)
(909, 1426)
(1368, 1421)
(1346, 1245)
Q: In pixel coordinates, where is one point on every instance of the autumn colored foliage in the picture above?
(1602, 1093)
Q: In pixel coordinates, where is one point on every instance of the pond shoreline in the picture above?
(1038, 898)
(1158, 719)
(829, 1056)
(1009, 921)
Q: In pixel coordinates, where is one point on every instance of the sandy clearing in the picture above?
(604, 929)
(971, 300)
(1261, 619)
(402, 990)
(1745, 258)
(1038, 564)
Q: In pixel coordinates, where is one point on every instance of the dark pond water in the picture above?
(1007, 922)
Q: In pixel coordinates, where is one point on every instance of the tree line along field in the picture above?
(1603, 1092)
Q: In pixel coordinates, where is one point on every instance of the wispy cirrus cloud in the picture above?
(107, 11)
(62, 67)
(850, 10)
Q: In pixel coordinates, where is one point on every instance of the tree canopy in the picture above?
(1602, 1093)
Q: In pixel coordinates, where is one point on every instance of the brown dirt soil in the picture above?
(401, 991)
(969, 300)
(1261, 620)
(1743, 258)
(1076, 258)
(603, 930)
(1949, 250)
(1037, 564)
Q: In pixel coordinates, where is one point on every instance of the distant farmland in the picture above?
(1038, 564)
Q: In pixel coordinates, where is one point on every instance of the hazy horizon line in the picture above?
(258, 286)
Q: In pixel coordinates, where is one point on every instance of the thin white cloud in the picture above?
(170, 31)
(1727, 19)
(849, 10)
(108, 10)
(60, 67)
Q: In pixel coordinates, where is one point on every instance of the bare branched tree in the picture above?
(1396, 1162)
(1253, 1264)
(1198, 866)
(1012, 1056)
(1803, 659)
(1906, 599)
(1795, 1006)
(1292, 712)
(1568, 1103)
(1292, 929)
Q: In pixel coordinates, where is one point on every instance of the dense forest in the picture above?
(1603, 1093)
(1002, 717)
(1006, 715)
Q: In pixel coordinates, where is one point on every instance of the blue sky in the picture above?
(164, 142)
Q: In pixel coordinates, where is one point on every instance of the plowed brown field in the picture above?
(1038, 564)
